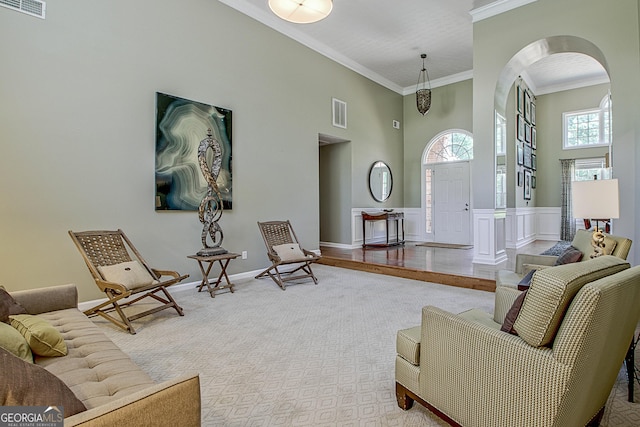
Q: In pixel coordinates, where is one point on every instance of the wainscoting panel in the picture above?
(548, 223)
(488, 235)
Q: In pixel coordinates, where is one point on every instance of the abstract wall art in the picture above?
(180, 124)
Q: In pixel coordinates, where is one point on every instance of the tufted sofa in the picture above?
(557, 369)
(111, 386)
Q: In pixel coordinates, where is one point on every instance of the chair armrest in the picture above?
(504, 299)
(117, 287)
(171, 403)
(171, 273)
(522, 259)
(463, 364)
(51, 298)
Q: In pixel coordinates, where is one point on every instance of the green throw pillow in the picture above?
(44, 339)
(13, 341)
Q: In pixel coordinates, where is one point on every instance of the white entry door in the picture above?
(452, 210)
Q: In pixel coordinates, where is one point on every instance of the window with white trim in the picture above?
(587, 128)
(588, 169)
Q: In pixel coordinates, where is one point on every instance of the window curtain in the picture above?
(568, 223)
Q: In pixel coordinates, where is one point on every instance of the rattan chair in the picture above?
(120, 272)
(283, 249)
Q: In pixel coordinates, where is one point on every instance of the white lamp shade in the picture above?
(301, 11)
(597, 199)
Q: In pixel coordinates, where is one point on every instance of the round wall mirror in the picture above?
(380, 181)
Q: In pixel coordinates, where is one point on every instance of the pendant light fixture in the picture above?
(301, 11)
(423, 89)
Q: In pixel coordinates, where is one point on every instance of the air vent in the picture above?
(339, 113)
(30, 7)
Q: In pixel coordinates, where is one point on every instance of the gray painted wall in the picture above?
(451, 108)
(613, 28)
(77, 118)
(549, 109)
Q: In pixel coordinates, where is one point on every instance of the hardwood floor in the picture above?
(439, 265)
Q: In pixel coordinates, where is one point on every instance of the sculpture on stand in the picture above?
(210, 210)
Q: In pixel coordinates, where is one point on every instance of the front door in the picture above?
(452, 212)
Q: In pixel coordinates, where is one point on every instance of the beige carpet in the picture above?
(313, 355)
(444, 245)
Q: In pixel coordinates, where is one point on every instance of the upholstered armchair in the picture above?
(581, 241)
(556, 368)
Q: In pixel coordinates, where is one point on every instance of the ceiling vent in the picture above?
(30, 7)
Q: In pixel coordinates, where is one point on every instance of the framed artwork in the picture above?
(180, 126)
(521, 127)
(527, 133)
(533, 181)
(533, 113)
(519, 181)
(520, 99)
(527, 106)
(527, 185)
(520, 153)
(533, 161)
(527, 156)
(533, 138)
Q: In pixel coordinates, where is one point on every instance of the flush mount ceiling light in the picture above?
(423, 89)
(301, 11)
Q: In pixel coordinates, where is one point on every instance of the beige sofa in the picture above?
(581, 241)
(112, 387)
(574, 329)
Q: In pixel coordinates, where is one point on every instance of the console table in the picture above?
(397, 217)
(223, 260)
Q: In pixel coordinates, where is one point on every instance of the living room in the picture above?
(78, 125)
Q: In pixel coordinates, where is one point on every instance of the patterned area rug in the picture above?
(313, 355)
(557, 249)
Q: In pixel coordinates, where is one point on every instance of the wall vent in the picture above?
(339, 113)
(30, 7)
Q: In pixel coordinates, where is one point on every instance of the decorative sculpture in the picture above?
(210, 210)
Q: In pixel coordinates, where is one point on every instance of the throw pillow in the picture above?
(569, 256)
(43, 339)
(609, 245)
(289, 251)
(526, 281)
(32, 385)
(8, 306)
(512, 314)
(130, 274)
(13, 341)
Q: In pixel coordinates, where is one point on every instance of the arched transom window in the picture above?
(450, 146)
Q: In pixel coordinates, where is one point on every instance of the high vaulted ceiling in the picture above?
(383, 40)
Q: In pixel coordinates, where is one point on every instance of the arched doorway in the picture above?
(446, 185)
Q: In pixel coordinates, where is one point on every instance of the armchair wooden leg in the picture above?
(404, 401)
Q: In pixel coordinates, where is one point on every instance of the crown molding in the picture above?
(496, 8)
(281, 26)
(442, 81)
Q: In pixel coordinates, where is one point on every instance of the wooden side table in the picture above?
(223, 260)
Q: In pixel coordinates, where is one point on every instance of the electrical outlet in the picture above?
(244, 254)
